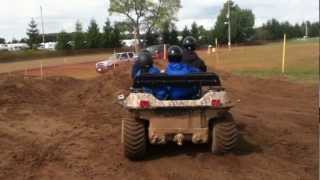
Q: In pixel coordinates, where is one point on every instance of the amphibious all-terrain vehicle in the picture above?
(203, 120)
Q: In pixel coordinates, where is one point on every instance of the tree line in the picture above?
(274, 30)
(162, 27)
(109, 37)
(153, 22)
(242, 22)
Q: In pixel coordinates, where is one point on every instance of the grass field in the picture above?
(49, 62)
(262, 61)
(27, 55)
(302, 60)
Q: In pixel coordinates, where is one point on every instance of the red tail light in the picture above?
(216, 103)
(144, 104)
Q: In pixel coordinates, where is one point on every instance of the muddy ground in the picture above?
(65, 128)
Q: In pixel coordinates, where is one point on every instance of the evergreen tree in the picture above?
(185, 32)
(33, 35)
(169, 33)
(174, 35)
(150, 38)
(288, 29)
(63, 42)
(107, 35)
(195, 30)
(93, 35)
(297, 30)
(14, 40)
(79, 37)
(52, 37)
(116, 37)
(166, 33)
(2, 41)
(314, 29)
(262, 34)
(24, 40)
(204, 36)
(274, 29)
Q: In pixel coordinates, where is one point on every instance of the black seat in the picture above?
(198, 79)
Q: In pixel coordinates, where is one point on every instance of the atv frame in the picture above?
(202, 120)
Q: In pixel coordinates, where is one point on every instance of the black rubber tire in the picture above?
(225, 135)
(134, 138)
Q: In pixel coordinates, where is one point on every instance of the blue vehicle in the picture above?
(144, 65)
(177, 68)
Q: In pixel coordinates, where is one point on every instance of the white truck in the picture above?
(115, 60)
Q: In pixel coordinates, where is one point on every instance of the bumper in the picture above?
(178, 135)
(179, 126)
(102, 69)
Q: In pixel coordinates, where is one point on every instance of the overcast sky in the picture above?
(62, 14)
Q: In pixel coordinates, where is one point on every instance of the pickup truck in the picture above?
(115, 60)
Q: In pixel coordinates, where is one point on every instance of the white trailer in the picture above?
(17, 46)
(51, 46)
(3, 47)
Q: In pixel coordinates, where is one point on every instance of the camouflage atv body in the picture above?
(202, 120)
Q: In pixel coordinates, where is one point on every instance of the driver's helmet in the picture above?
(175, 54)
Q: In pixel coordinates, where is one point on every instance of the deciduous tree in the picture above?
(145, 14)
(242, 22)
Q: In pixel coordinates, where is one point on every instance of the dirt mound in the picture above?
(63, 128)
(17, 89)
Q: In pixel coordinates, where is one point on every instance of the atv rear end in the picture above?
(202, 120)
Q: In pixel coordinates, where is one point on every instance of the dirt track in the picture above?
(63, 128)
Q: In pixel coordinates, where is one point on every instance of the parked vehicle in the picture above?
(115, 60)
(50, 46)
(157, 51)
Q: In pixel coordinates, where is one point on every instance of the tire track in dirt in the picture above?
(62, 128)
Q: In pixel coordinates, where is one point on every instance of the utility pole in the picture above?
(229, 26)
(284, 54)
(42, 24)
(307, 33)
(136, 41)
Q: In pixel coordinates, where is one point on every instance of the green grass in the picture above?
(298, 75)
(309, 40)
(27, 55)
(52, 61)
(302, 60)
